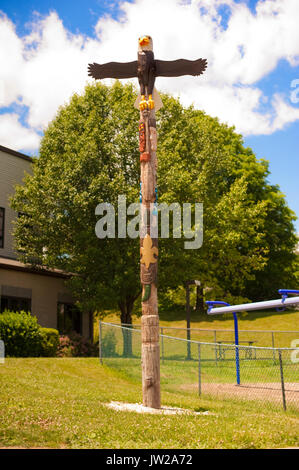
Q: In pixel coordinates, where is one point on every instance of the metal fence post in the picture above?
(100, 342)
(215, 340)
(282, 381)
(273, 346)
(162, 344)
(189, 357)
(199, 370)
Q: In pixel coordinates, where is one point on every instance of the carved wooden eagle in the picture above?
(147, 68)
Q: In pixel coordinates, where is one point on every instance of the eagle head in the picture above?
(145, 43)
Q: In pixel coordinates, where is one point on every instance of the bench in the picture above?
(220, 350)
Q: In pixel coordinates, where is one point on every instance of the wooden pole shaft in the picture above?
(150, 352)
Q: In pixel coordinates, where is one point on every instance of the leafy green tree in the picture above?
(249, 236)
(89, 154)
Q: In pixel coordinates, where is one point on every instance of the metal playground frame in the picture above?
(279, 304)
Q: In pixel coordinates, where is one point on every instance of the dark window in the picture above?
(15, 304)
(2, 218)
(69, 318)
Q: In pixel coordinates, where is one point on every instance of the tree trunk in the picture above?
(188, 320)
(91, 327)
(200, 304)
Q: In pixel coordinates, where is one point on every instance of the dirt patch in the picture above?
(252, 391)
(139, 408)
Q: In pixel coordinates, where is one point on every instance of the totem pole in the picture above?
(146, 68)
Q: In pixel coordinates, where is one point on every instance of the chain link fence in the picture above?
(275, 339)
(262, 338)
(269, 376)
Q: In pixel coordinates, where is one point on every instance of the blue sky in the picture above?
(252, 48)
(77, 15)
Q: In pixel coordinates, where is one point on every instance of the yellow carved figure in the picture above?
(143, 103)
(150, 102)
(148, 251)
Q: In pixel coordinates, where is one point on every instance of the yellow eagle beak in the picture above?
(144, 41)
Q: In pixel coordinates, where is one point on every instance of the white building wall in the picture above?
(12, 171)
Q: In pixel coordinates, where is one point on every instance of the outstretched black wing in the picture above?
(113, 70)
(175, 68)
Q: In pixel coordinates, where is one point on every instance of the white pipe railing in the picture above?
(279, 303)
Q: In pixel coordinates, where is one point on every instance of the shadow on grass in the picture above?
(179, 314)
(200, 409)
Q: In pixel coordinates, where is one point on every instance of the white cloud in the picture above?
(11, 62)
(284, 113)
(16, 136)
(43, 69)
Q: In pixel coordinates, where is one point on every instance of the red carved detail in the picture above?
(142, 138)
(145, 157)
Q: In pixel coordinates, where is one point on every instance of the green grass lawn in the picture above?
(262, 366)
(176, 373)
(255, 320)
(269, 320)
(60, 403)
